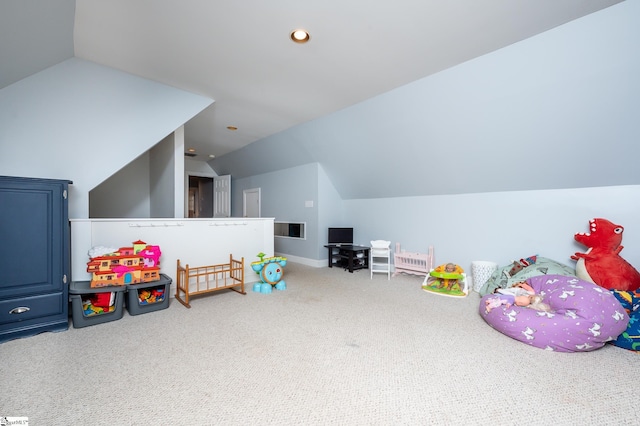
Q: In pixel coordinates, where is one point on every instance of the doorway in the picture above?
(200, 196)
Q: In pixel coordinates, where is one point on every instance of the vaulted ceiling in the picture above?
(239, 53)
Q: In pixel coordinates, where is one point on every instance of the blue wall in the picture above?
(283, 196)
(565, 101)
(498, 158)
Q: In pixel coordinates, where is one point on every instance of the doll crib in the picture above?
(207, 279)
(413, 263)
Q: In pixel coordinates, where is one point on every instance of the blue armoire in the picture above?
(34, 256)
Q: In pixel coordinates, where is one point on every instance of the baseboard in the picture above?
(305, 261)
(312, 262)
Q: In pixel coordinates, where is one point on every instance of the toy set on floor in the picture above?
(91, 305)
(128, 272)
(101, 303)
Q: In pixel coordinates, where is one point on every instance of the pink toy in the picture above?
(494, 302)
(151, 256)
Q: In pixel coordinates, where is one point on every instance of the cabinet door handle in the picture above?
(19, 310)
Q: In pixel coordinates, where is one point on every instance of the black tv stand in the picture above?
(349, 257)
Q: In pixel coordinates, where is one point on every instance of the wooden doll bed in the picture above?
(207, 279)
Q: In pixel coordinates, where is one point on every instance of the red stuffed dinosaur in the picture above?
(602, 264)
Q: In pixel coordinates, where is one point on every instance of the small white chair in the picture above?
(380, 257)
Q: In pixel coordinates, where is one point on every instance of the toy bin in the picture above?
(91, 305)
(148, 297)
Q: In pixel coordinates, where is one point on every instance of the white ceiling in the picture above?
(239, 52)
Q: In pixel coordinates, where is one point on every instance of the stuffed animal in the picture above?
(602, 264)
(518, 266)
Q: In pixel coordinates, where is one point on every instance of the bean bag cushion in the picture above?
(630, 301)
(582, 317)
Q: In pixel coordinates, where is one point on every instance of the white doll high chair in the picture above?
(380, 258)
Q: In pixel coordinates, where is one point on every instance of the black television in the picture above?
(295, 230)
(340, 236)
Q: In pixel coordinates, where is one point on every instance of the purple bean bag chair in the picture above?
(582, 317)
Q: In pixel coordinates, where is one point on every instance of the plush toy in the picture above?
(519, 265)
(602, 264)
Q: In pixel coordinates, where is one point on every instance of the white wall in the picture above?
(125, 193)
(81, 121)
(162, 181)
(34, 35)
(197, 242)
(198, 167)
(130, 191)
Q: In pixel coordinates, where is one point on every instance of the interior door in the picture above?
(251, 202)
(222, 196)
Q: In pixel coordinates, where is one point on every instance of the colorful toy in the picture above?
(271, 270)
(602, 264)
(630, 301)
(103, 300)
(447, 280)
(126, 265)
(97, 304)
(147, 297)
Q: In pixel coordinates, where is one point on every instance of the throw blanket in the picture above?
(542, 266)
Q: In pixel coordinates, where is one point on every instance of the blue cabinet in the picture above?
(34, 256)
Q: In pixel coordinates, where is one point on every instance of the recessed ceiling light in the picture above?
(232, 128)
(191, 150)
(300, 36)
(212, 156)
